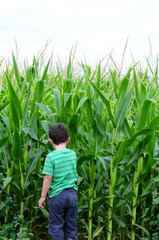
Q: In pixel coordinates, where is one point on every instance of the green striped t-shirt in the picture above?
(61, 164)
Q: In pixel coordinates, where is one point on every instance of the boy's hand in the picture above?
(42, 202)
(46, 184)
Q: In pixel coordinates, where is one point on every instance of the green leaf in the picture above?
(139, 148)
(31, 133)
(99, 183)
(25, 109)
(73, 124)
(46, 110)
(122, 110)
(90, 113)
(46, 125)
(6, 181)
(35, 64)
(154, 122)
(102, 162)
(57, 100)
(17, 143)
(127, 189)
(151, 182)
(114, 79)
(28, 74)
(150, 148)
(44, 76)
(4, 105)
(15, 115)
(142, 92)
(119, 221)
(45, 213)
(85, 159)
(32, 165)
(97, 231)
(27, 79)
(144, 113)
(129, 142)
(106, 102)
(143, 229)
(39, 91)
(16, 71)
(12, 235)
(126, 129)
(81, 102)
(66, 98)
(69, 74)
(101, 126)
(136, 86)
(3, 141)
(15, 101)
(67, 85)
(123, 87)
(98, 75)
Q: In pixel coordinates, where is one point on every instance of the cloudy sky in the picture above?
(99, 27)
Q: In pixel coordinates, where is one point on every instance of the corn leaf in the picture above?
(15, 100)
(81, 102)
(123, 88)
(90, 111)
(129, 142)
(4, 105)
(30, 132)
(44, 76)
(57, 100)
(3, 141)
(97, 231)
(139, 149)
(106, 102)
(136, 86)
(31, 166)
(15, 114)
(143, 229)
(6, 181)
(45, 109)
(126, 129)
(114, 80)
(154, 122)
(119, 221)
(16, 71)
(122, 110)
(98, 76)
(144, 113)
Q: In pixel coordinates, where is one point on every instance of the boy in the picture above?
(60, 184)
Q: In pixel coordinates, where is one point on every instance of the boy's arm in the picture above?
(46, 184)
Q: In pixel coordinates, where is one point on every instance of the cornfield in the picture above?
(113, 124)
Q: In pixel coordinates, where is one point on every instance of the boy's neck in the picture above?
(61, 146)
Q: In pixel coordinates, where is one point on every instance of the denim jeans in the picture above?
(62, 215)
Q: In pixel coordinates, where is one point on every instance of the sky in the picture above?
(99, 29)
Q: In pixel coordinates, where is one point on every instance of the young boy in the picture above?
(60, 184)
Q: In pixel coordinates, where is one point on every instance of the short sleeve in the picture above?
(48, 167)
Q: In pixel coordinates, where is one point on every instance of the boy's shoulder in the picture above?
(58, 152)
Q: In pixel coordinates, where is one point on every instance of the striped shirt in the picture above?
(61, 164)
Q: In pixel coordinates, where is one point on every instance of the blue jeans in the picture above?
(62, 215)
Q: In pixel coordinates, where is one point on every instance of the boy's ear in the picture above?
(68, 140)
(51, 141)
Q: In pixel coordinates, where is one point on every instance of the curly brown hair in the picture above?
(58, 133)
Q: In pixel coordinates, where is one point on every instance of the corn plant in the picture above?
(113, 125)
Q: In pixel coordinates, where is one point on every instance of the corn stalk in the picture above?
(136, 183)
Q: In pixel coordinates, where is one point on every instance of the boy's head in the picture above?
(58, 133)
